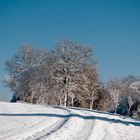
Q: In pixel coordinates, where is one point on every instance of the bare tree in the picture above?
(69, 59)
(115, 88)
(89, 84)
(131, 94)
(20, 63)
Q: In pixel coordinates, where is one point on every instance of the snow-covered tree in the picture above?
(25, 59)
(69, 59)
(115, 88)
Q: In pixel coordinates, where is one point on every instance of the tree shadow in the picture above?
(111, 120)
(101, 112)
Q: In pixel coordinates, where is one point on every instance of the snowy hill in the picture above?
(19, 121)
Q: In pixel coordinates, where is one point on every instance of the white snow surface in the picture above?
(21, 121)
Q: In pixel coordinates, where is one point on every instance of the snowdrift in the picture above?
(20, 121)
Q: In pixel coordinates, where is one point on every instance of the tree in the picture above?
(115, 88)
(88, 85)
(69, 60)
(20, 63)
(131, 93)
(106, 102)
(125, 94)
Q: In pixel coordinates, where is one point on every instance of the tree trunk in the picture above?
(66, 99)
(60, 101)
(66, 91)
(32, 98)
(115, 110)
(91, 104)
(72, 100)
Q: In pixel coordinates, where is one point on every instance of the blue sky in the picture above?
(111, 27)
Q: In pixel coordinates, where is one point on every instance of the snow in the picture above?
(20, 121)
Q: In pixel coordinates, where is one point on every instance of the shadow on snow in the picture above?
(111, 120)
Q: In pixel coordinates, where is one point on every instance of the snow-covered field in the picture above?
(19, 121)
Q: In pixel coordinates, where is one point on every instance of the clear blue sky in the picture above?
(111, 27)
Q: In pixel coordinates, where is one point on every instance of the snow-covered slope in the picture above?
(19, 121)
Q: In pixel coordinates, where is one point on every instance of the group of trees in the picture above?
(126, 95)
(64, 76)
(67, 75)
